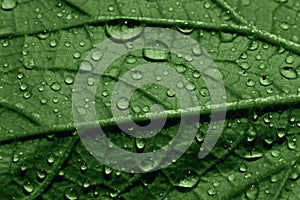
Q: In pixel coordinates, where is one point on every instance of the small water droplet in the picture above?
(284, 25)
(53, 43)
(252, 192)
(170, 93)
(71, 193)
(96, 55)
(69, 80)
(50, 159)
(140, 143)
(181, 68)
(55, 86)
(265, 80)
(130, 59)
(28, 188)
(43, 35)
(187, 181)
(137, 75)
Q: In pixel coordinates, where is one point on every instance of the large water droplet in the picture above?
(123, 30)
(157, 51)
(8, 4)
(288, 72)
(123, 103)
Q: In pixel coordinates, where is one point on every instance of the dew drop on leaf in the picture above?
(53, 43)
(123, 30)
(55, 86)
(170, 93)
(41, 174)
(123, 103)
(69, 80)
(181, 68)
(28, 188)
(50, 159)
(96, 55)
(43, 35)
(140, 143)
(252, 192)
(156, 51)
(71, 193)
(130, 59)
(8, 4)
(86, 66)
(136, 75)
(187, 181)
(288, 72)
(284, 25)
(185, 30)
(265, 80)
(83, 167)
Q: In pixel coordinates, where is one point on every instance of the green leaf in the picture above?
(254, 45)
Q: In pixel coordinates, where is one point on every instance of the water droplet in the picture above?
(137, 75)
(41, 174)
(53, 43)
(69, 80)
(130, 59)
(196, 74)
(231, 177)
(211, 192)
(190, 86)
(289, 59)
(197, 50)
(140, 143)
(284, 25)
(243, 168)
(252, 192)
(274, 178)
(8, 4)
(123, 30)
(55, 86)
(275, 153)
(71, 193)
(77, 55)
(50, 159)
(181, 68)
(123, 103)
(23, 86)
(265, 80)
(96, 55)
(83, 167)
(15, 158)
(43, 35)
(250, 83)
(170, 93)
(185, 30)
(5, 43)
(86, 66)
(288, 72)
(157, 51)
(28, 188)
(187, 181)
